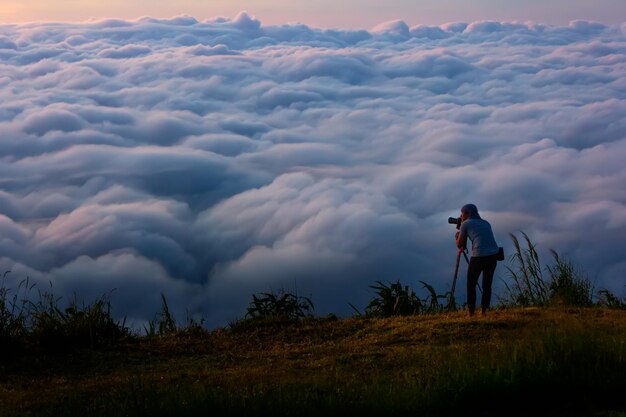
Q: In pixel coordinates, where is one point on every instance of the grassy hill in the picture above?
(512, 362)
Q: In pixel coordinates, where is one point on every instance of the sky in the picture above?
(210, 159)
(354, 14)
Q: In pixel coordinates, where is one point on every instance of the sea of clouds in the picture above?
(211, 160)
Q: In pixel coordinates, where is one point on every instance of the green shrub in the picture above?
(395, 299)
(568, 285)
(432, 303)
(75, 326)
(283, 305)
(607, 299)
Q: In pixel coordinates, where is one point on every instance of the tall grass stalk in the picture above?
(565, 284)
(14, 313)
(164, 322)
(529, 286)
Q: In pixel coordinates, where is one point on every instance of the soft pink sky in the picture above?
(322, 13)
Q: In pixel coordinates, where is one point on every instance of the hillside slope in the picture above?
(512, 362)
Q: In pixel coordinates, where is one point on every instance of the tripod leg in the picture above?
(452, 304)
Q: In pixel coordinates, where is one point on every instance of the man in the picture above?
(484, 255)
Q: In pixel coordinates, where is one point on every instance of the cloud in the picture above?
(430, 32)
(7, 43)
(116, 275)
(301, 64)
(207, 160)
(127, 51)
(394, 27)
(50, 120)
(437, 64)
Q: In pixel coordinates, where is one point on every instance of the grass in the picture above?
(540, 361)
(43, 322)
(563, 283)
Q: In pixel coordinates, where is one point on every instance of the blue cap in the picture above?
(469, 209)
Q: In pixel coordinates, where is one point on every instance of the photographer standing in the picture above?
(484, 255)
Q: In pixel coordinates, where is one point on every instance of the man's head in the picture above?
(469, 211)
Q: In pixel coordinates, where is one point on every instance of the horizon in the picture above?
(325, 14)
(374, 27)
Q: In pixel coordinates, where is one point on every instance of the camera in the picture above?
(455, 220)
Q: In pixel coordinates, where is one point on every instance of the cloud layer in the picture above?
(210, 160)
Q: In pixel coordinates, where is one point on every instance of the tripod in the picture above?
(452, 305)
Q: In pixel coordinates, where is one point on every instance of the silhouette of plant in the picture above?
(13, 314)
(566, 284)
(279, 305)
(529, 287)
(163, 323)
(76, 326)
(393, 299)
(607, 299)
(432, 301)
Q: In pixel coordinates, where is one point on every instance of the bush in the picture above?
(566, 284)
(607, 299)
(76, 326)
(282, 305)
(45, 324)
(398, 300)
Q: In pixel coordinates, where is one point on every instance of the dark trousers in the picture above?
(486, 265)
